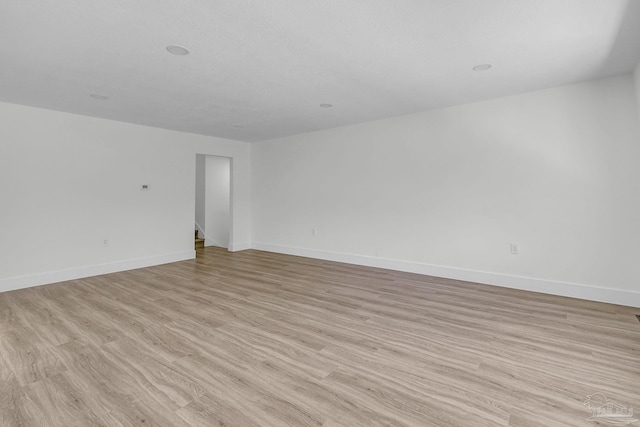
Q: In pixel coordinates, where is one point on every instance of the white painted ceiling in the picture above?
(268, 64)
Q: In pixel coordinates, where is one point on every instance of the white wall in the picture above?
(67, 182)
(445, 192)
(636, 80)
(218, 207)
(201, 186)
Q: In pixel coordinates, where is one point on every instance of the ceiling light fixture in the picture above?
(100, 97)
(482, 67)
(178, 50)
(326, 105)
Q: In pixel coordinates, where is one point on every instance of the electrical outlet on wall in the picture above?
(105, 242)
(515, 248)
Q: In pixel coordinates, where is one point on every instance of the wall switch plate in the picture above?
(515, 248)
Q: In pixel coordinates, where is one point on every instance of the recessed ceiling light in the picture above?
(482, 67)
(326, 105)
(100, 97)
(178, 50)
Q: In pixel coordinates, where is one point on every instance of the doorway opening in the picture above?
(213, 201)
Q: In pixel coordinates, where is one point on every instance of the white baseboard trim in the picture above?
(13, 283)
(566, 289)
(236, 247)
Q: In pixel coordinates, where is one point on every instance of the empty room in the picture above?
(320, 213)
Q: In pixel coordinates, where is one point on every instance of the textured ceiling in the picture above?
(266, 65)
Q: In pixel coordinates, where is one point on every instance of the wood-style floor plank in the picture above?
(258, 339)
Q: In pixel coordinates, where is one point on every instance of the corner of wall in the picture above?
(237, 247)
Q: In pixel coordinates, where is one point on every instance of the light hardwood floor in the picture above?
(259, 339)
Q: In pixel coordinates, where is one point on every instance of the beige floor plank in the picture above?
(259, 339)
